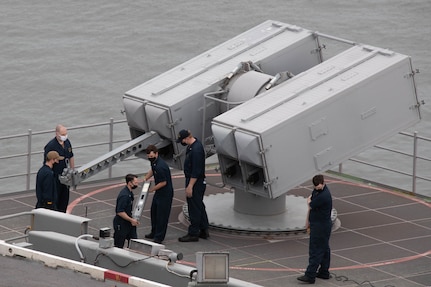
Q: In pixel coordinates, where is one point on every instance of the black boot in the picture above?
(204, 234)
(188, 238)
(306, 279)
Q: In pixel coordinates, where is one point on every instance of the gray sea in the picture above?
(70, 62)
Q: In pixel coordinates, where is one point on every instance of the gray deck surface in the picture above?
(384, 238)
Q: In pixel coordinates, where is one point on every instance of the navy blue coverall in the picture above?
(123, 229)
(320, 231)
(46, 188)
(162, 200)
(194, 167)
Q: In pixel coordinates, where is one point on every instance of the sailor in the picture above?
(61, 144)
(46, 183)
(194, 171)
(320, 225)
(124, 223)
(163, 194)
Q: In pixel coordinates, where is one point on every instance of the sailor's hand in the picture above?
(134, 222)
(189, 191)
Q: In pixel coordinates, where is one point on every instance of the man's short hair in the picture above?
(130, 177)
(152, 148)
(318, 179)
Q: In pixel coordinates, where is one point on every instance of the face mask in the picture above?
(134, 186)
(63, 138)
(183, 144)
(152, 159)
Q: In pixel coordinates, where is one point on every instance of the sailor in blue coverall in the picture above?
(320, 224)
(194, 171)
(163, 194)
(124, 224)
(46, 183)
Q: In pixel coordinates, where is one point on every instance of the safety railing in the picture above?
(403, 168)
(21, 157)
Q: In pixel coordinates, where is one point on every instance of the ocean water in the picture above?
(70, 62)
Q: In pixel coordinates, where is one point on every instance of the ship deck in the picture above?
(384, 238)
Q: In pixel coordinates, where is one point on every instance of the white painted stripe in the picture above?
(140, 282)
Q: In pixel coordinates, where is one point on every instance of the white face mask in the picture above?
(63, 138)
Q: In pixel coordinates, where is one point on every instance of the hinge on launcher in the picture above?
(319, 49)
(420, 103)
(263, 151)
(172, 124)
(268, 183)
(412, 74)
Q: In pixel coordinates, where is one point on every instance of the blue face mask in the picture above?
(152, 159)
(183, 144)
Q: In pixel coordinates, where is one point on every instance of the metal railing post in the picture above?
(27, 185)
(111, 142)
(340, 168)
(415, 154)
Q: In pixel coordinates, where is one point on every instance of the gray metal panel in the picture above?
(158, 120)
(135, 114)
(322, 117)
(49, 220)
